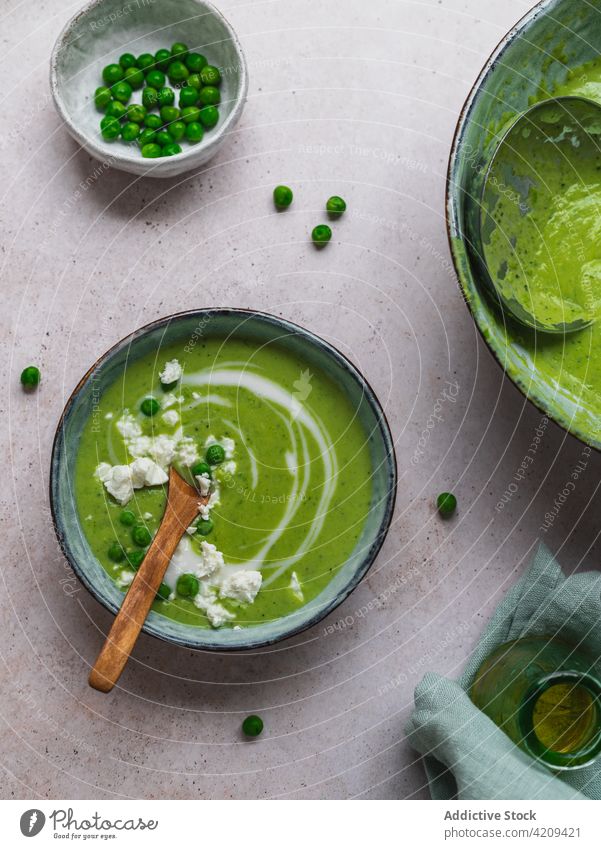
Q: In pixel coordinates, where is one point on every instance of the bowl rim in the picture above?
(367, 559)
(452, 215)
(152, 167)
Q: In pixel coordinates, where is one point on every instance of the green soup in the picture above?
(288, 501)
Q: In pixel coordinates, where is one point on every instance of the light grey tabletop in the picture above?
(354, 98)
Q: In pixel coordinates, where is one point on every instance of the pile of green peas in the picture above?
(156, 124)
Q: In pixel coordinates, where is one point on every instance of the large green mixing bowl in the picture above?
(554, 37)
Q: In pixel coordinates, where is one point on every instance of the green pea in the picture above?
(150, 97)
(252, 725)
(190, 114)
(146, 137)
(134, 76)
(102, 97)
(177, 72)
(162, 59)
(145, 61)
(163, 593)
(188, 97)
(179, 50)
(116, 109)
(446, 503)
(136, 112)
(335, 206)
(210, 75)
(110, 128)
(169, 114)
(111, 74)
(215, 455)
(209, 115)
(209, 96)
(127, 518)
(141, 536)
(163, 138)
(194, 81)
(171, 149)
(200, 468)
(187, 585)
(150, 406)
(127, 60)
(135, 558)
(30, 377)
(282, 197)
(166, 96)
(204, 527)
(116, 552)
(194, 132)
(153, 122)
(155, 78)
(130, 131)
(195, 62)
(321, 235)
(177, 130)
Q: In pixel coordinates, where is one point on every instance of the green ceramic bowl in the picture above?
(555, 36)
(314, 353)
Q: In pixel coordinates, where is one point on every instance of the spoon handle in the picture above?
(183, 504)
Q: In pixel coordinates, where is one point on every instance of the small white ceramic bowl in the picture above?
(104, 29)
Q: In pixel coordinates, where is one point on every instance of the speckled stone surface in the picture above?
(349, 98)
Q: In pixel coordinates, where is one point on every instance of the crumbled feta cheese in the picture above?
(204, 483)
(205, 512)
(109, 416)
(196, 395)
(120, 481)
(103, 471)
(171, 372)
(170, 417)
(242, 586)
(162, 450)
(187, 451)
(191, 529)
(212, 560)
(296, 587)
(147, 516)
(215, 613)
(169, 400)
(229, 467)
(145, 472)
(128, 427)
(125, 578)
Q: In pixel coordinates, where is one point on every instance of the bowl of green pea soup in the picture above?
(150, 88)
(275, 426)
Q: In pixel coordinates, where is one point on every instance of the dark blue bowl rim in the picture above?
(368, 559)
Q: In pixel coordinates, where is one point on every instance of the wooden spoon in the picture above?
(183, 504)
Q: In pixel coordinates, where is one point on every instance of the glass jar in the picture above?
(546, 696)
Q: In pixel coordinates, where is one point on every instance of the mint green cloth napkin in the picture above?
(467, 755)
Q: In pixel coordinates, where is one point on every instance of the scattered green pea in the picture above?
(135, 558)
(188, 96)
(209, 96)
(141, 536)
(163, 593)
(194, 132)
(177, 72)
(30, 377)
(155, 78)
(177, 130)
(153, 122)
(136, 112)
(110, 128)
(335, 206)
(200, 468)
(210, 75)
(446, 504)
(166, 96)
(252, 726)
(112, 74)
(321, 235)
(195, 62)
(116, 552)
(134, 76)
(150, 406)
(209, 116)
(130, 131)
(282, 197)
(145, 61)
(127, 518)
(171, 149)
(102, 97)
(179, 50)
(116, 109)
(204, 527)
(162, 59)
(169, 114)
(215, 455)
(187, 585)
(150, 97)
(146, 137)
